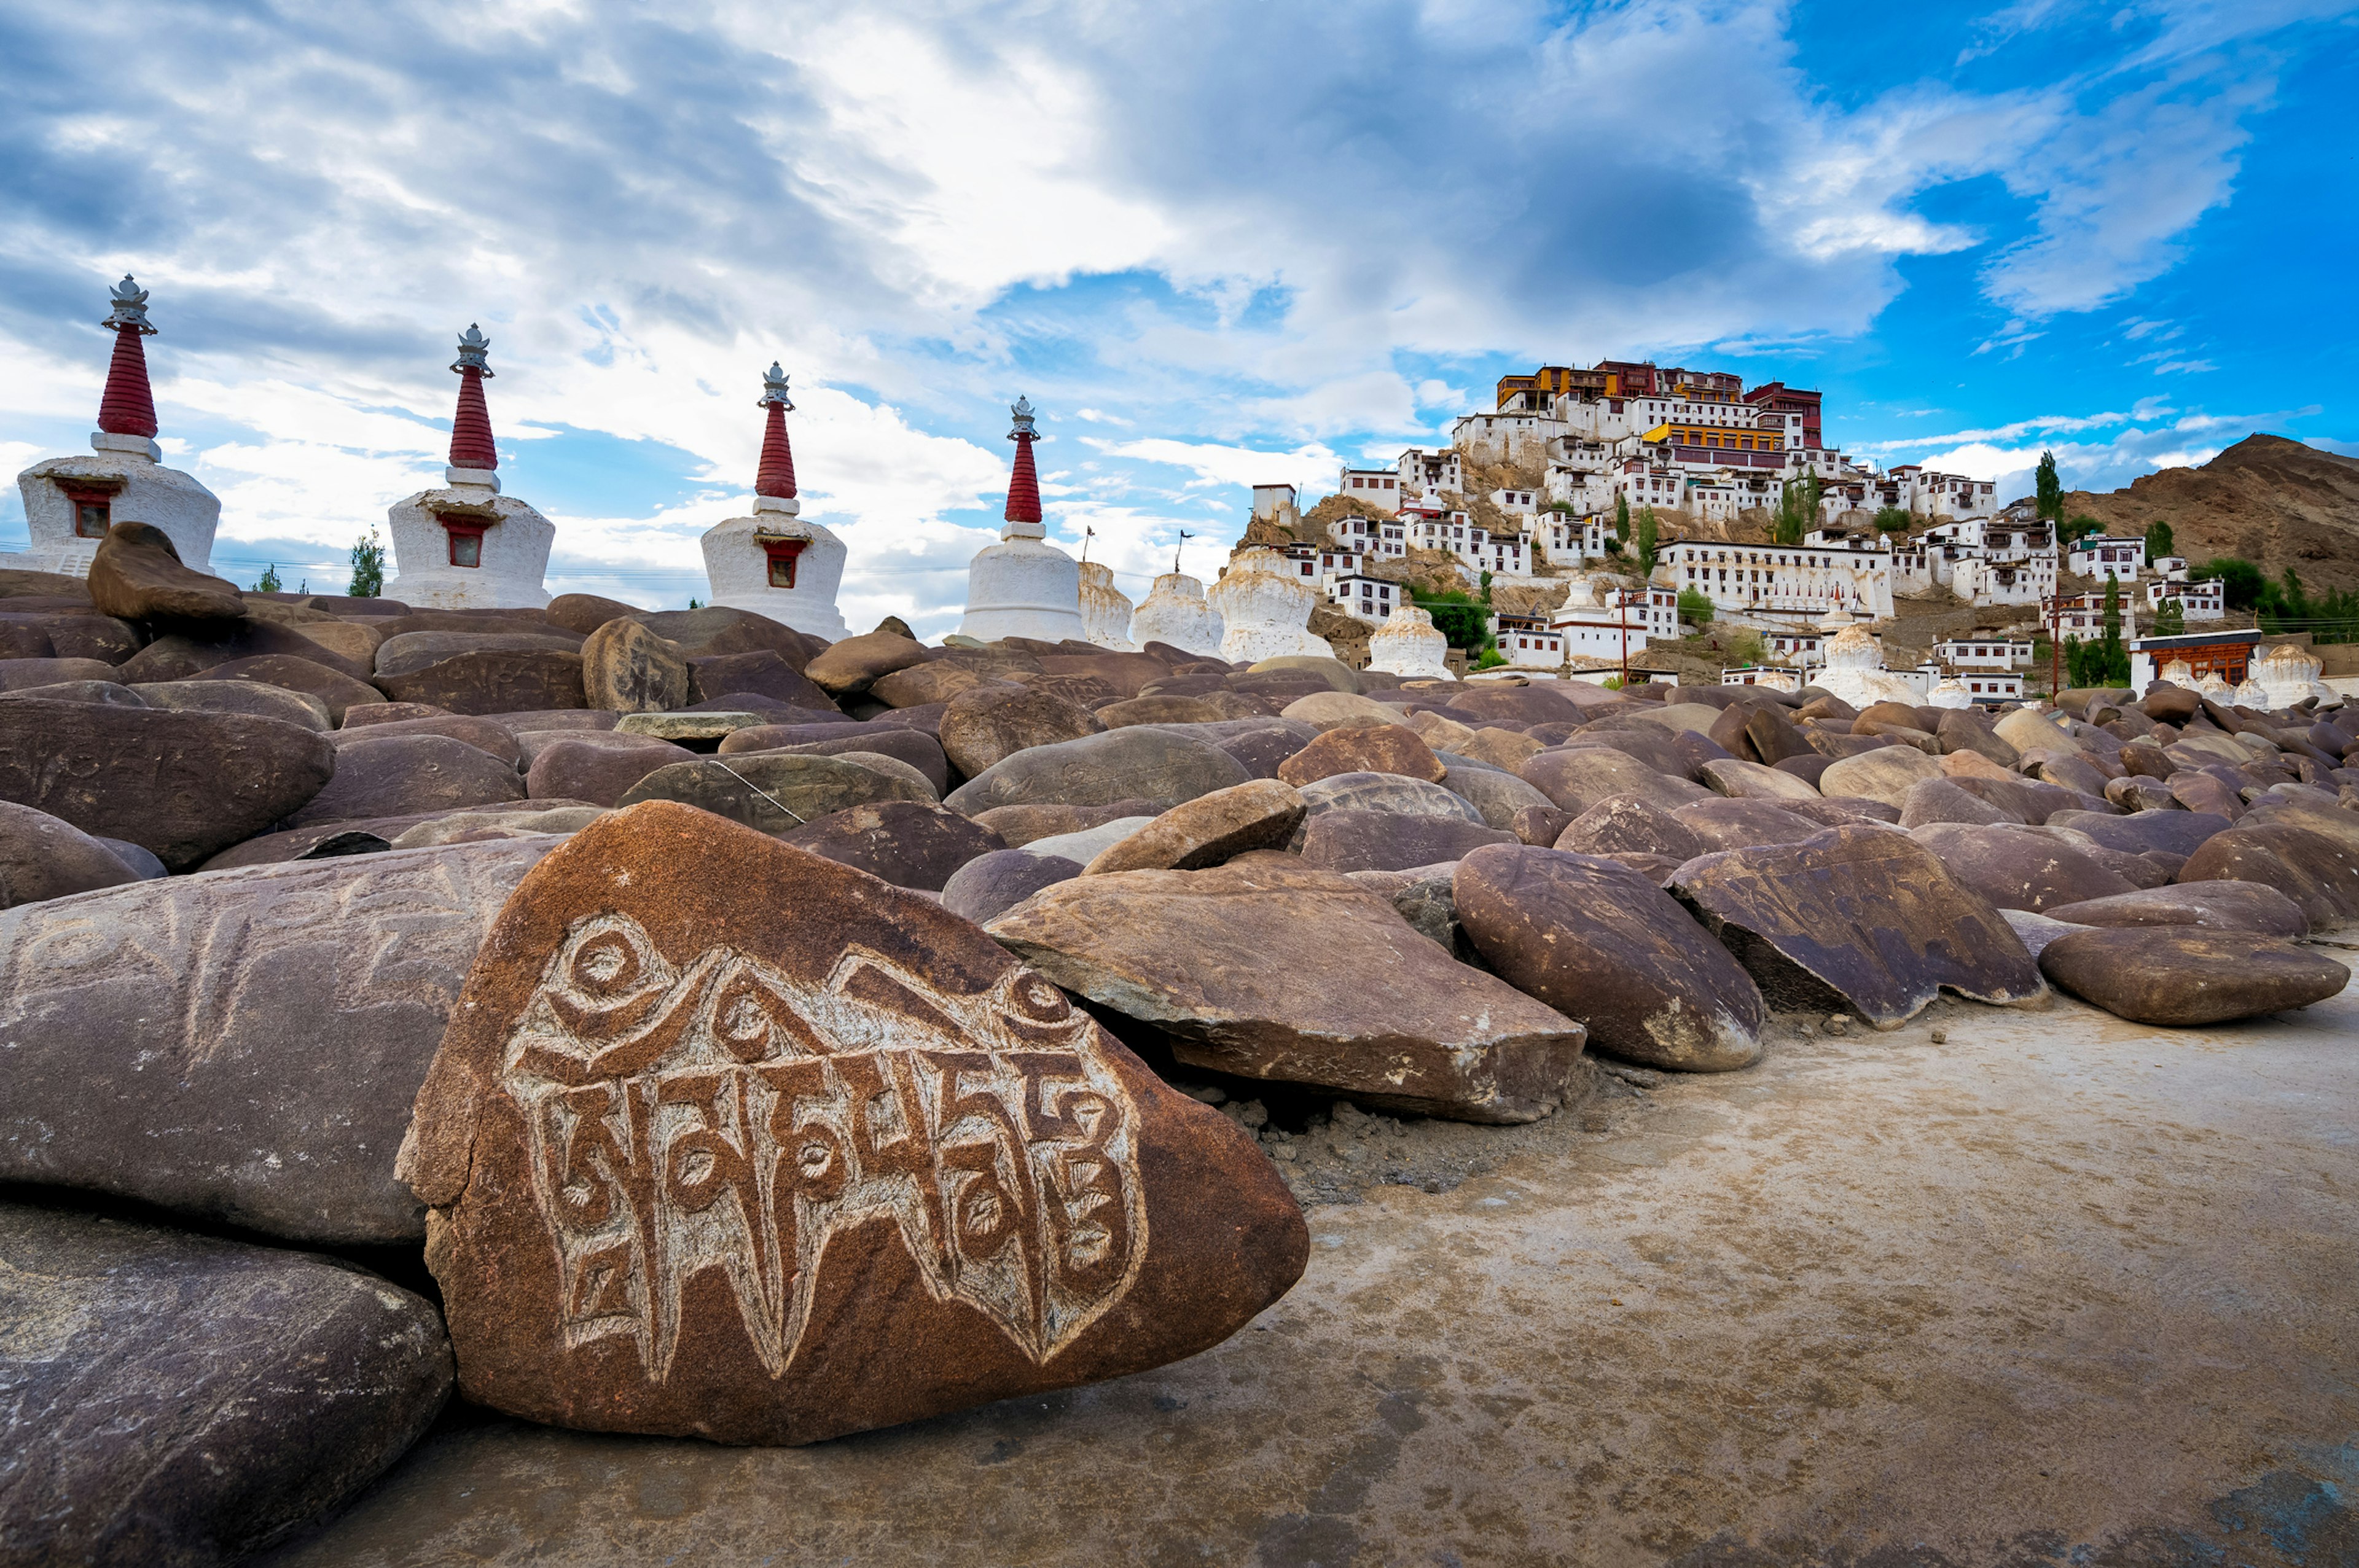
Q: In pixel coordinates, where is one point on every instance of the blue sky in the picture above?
(1214, 243)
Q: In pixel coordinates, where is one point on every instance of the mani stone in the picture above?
(904, 842)
(43, 858)
(1138, 763)
(183, 1401)
(2020, 868)
(1260, 814)
(988, 885)
(180, 785)
(492, 681)
(625, 668)
(849, 667)
(596, 767)
(2319, 874)
(1270, 969)
(1629, 825)
(243, 1047)
(697, 1167)
(985, 725)
(775, 792)
(1885, 774)
(403, 775)
(2212, 905)
(2176, 976)
(1599, 942)
(1364, 748)
(1380, 841)
(1496, 794)
(1735, 824)
(716, 725)
(1575, 778)
(1388, 793)
(335, 691)
(915, 747)
(1858, 918)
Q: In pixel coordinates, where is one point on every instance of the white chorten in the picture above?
(1265, 609)
(1105, 611)
(466, 545)
(1409, 646)
(1023, 586)
(774, 563)
(2217, 690)
(70, 502)
(2285, 675)
(2178, 672)
(1855, 666)
(1175, 612)
(1948, 692)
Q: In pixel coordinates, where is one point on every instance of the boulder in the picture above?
(481, 825)
(1742, 824)
(1340, 709)
(1350, 841)
(1388, 793)
(1859, 919)
(600, 769)
(1362, 749)
(178, 1401)
(182, 785)
(112, 694)
(1629, 825)
(137, 575)
(2201, 791)
(715, 631)
(764, 672)
(43, 857)
(1938, 800)
(491, 683)
(625, 668)
(399, 774)
(1502, 748)
(986, 725)
(242, 1047)
(908, 844)
(1751, 781)
(849, 667)
(31, 674)
(1499, 796)
(1540, 825)
(2020, 868)
(1261, 968)
(368, 835)
(408, 651)
(1576, 778)
(775, 792)
(1022, 825)
(1159, 710)
(2313, 871)
(938, 680)
(2212, 905)
(250, 698)
(1084, 845)
(2180, 976)
(887, 1172)
(337, 692)
(1135, 763)
(1259, 745)
(1835, 811)
(585, 612)
(486, 735)
(1599, 942)
(1260, 814)
(914, 748)
(687, 726)
(988, 885)
(199, 647)
(1887, 773)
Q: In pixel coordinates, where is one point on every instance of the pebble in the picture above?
(1941, 1037)
(1838, 1024)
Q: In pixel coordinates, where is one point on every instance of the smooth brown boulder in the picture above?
(491, 683)
(27, 674)
(406, 652)
(2202, 792)
(600, 769)
(1741, 824)
(764, 672)
(1258, 815)
(183, 655)
(338, 693)
(396, 775)
(1629, 825)
(1857, 918)
(1263, 967)
(989, 884)
(136, 574)
(1887, 773)
(1962, 732)
(1159, 710)
(716, 631)
(903, 842)
(849, 667)
(179, 785)
(986, 725)
(2212, 905)
(1750, 781)
(938, 680)
(1577, 778)
(1603, 944)
(1362, 749)
(1540, 825)
(2182, 978)
(700, 1171)
(44, 857)
(625, 668)
(1938, 800)
(1141, 762)
(1382, 841)
(915, 747)
(1021, 825)
(484, 734)
(775, 792)
(2020, 868)
(250, 698)
(2319, 874)
(585, 612)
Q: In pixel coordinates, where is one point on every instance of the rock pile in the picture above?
(765, 1039)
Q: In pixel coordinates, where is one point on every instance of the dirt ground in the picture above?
(2061, 1289)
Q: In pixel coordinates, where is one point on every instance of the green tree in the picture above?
(1486, 588)
(1622, 518)
(2158, 541)
(268, 581)
(1798, 511)
(2047, 490)
(1647, 538)
(369, 567)
(1462, 624)
(2079, 527)
(1694, 608)
(2112, 658)
(1894, 519)
(2241, 581)
(2169, 619)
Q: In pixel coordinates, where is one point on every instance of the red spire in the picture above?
(1023, 484)
(126, 408)
(471, 428)
(775, 476)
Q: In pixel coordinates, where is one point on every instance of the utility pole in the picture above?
(1624, 597)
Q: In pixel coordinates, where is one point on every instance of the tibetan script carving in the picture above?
(717, 1113)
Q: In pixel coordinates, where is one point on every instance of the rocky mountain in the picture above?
(2276, 503)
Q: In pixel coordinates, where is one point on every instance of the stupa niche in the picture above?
(466, 545)
(1023, 586)
(70, 502)
(774, 563)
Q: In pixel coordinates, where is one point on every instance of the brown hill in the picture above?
(2276, 503)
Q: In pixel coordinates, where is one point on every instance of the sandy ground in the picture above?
(2060, 1290)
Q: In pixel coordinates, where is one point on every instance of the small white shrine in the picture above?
(1023, 586)
(70, 502)
(774, 563)
(1175, 611)
(1105, 609)
(1855, 664)
(2285, 675)
(1265, 609)
(1409, 645)
(466, 545)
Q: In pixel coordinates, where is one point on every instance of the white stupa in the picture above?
(1948, 692)
(1408, 645)
(1855, 664)
(774, 563)
(70, 502)
(2285, 675)
(466, 545)
(1175, 612)
(1105, 609)
(1023, 586)
(1265, 609)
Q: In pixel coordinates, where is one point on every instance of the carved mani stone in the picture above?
(730, 1140)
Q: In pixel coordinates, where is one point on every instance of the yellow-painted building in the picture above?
(1679, 435)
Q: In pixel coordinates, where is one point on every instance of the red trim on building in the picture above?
(782, 554)
(775, 476)
(466, 537)
(1023, 486)
(471, 428)
(126, 408)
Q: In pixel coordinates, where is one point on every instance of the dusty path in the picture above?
(2063, 1289)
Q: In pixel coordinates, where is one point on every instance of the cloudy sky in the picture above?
(1215, 243)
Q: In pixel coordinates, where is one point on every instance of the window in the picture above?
(466, 546)
(89, 519)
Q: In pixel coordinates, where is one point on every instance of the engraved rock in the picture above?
(2211, 905)
(2020, 868)
(399, 775)
(1856, 919)
(1138, 763)
(596, 767)
(989, 884)
(764, 672)
(1885, 774)
(776, 1154)
(243, 1047)
(1351, 840)
(1263, 967)
(1258, 815)
(1737, 824)
(492, 681)
(983, 725)
(179, 1401)
(906, 843)
(913, 747)
(42, 857)
(337, 691)
(1575, 778)
(775, 792)
(2319, 874)
(1364, 748)
(625, 668)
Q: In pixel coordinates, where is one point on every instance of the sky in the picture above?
(1215, 243)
